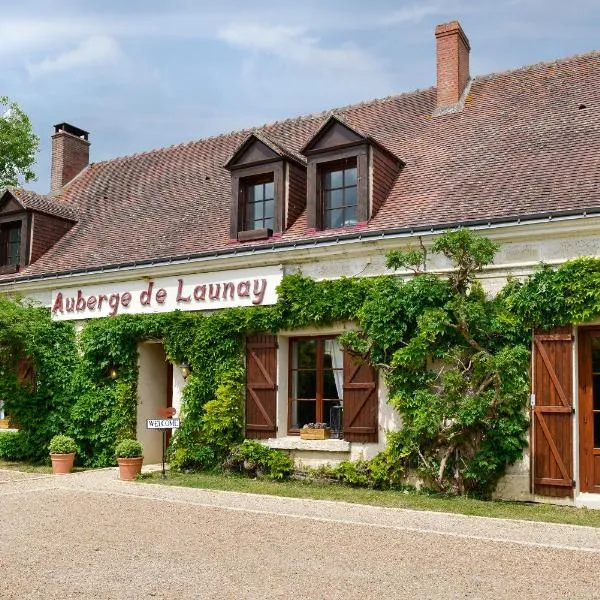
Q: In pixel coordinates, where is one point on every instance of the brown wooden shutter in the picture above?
(261, 389)
(26, 373)
(553, 413)
(360, 401)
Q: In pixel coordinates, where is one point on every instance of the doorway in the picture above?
(589, 410)
(155, 391)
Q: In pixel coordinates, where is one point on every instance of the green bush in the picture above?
(256, 460)
(194, 457)
(11, 446)
(129, 449)
(223, 418)
(62, 444)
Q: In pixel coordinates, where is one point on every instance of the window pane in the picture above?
(596, 430)
(330, 385)
(350, 176)
(269, 190)
(268, 223)
(334, 199)
(303, 412)
(257, 210)
(336, 179)
(304, 384)
(327, 406)
(596, 355)
(14, 234)
(269, 208)
(596, 392)
(304, 354)
(257, 192)
(350, 216)
(334, 218)
(350, 196)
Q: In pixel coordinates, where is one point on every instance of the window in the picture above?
(259, 209)
(316, 380)
(10, 244)
(339, 194)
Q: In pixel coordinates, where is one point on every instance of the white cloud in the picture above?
(294, 44)
(94, 51)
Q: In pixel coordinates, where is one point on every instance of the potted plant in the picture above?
(129, 457)
(62, 450)
(315, 431)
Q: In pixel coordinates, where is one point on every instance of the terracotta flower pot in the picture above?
(62, 463)
(130, 468)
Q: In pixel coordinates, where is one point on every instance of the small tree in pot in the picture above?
(129, 457)
(62, 450)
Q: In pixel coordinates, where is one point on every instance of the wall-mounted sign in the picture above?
(203, 291)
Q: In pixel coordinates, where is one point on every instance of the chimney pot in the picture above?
(70, 154)
(452, 49)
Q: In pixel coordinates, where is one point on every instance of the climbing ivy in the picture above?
(455, 362)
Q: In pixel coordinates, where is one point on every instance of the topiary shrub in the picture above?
(129, 449)
(62, 444)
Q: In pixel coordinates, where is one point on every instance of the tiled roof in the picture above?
(524, 144)
(43, 204)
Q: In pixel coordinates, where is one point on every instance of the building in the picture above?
(216, 223)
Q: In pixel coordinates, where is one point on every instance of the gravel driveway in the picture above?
(88, 535)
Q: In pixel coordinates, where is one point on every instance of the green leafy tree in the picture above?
(18, 144)
(456, 365)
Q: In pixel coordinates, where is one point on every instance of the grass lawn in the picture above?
(24, 467)
(395, 499)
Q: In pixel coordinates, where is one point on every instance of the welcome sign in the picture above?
(202, 291)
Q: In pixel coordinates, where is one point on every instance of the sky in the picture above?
(142, 74)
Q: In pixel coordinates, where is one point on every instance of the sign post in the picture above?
(163, 424)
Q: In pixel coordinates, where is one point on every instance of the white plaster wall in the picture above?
(152, 387)
(178, 385)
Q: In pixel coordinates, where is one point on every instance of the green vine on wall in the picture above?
(455, 363)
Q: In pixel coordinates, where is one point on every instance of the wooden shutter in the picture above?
(553, 413)
(360, 401)
(261, 389)
(26, 373)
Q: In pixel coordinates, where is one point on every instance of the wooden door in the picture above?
(360, 401)
(261, 387)
(552, 413)
(589, 410)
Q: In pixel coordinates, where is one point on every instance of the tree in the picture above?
(456, 366)
(18, 144)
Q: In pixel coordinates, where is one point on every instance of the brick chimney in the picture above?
(452, 63)
(70, 154)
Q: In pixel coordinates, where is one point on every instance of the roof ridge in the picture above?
(538, 65)
(247, 131)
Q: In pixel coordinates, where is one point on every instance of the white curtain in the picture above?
(337, 362)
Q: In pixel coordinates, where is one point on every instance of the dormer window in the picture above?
(268, 189)
(349, 176)
(29, 226)
(259, 204)
(10, 244)
(339, 191)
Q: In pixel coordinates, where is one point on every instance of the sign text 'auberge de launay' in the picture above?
(204, 291)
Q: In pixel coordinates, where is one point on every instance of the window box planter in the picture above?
(4, 424)
(315, 434)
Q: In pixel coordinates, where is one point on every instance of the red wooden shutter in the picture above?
(261, 389)
(360, 401)
(553, 413)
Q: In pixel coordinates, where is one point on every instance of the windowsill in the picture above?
(8, 430)
(295, 443)
(7, 269)
(254, 234)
